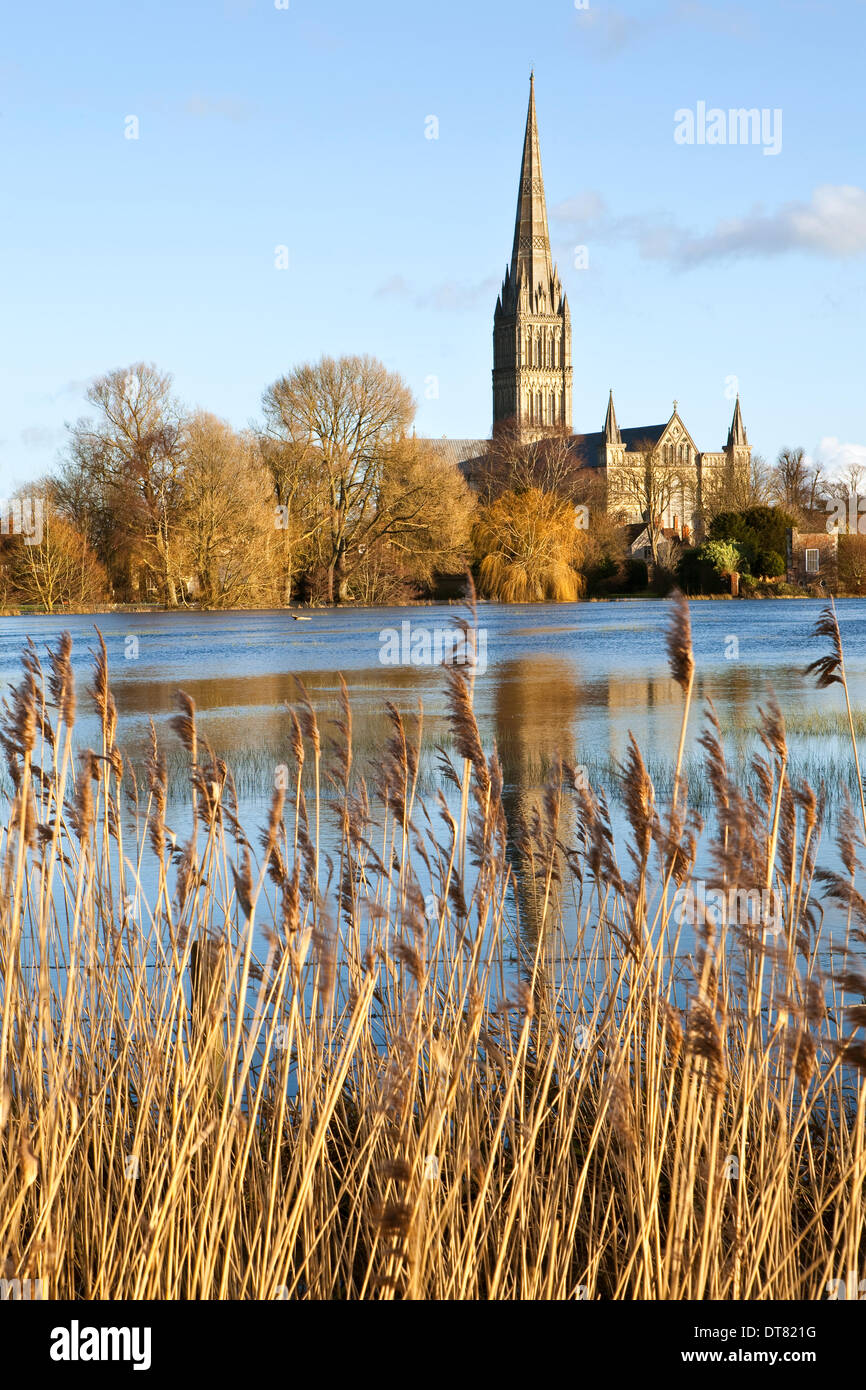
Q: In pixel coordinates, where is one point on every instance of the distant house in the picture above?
(812, 558)
(639, 541)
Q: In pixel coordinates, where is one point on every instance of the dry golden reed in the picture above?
(429, 1054)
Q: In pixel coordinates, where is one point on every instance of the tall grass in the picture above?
(426, 1088)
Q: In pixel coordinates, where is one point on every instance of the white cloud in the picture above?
(395, 288)
(834, 222)
(837, 457)
(831, 223)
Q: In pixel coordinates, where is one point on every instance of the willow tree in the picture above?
(530, 545)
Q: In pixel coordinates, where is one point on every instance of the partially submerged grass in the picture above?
(414, 1094)
(254, 770)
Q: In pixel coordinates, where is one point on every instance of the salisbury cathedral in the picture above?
(647, 470)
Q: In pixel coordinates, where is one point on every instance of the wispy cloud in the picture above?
(450, 296)
(587, 206)
(75, 387)
(394, 288)
(832, 223)
(41, 437)
(453, 297)
(837, 457)
(611, 31)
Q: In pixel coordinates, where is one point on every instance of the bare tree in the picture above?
(651, 487)
(513, 463)
(58, 572)
(797, 485)
(852, 563)
(733, 488)
(848, 488)
(347, 421)
(226, 538)
(299, 498)
(125, 469)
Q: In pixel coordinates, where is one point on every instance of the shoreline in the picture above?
(308, 612)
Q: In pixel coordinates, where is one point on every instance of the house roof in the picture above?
(591, 445)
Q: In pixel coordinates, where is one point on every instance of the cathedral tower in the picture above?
(531, 323)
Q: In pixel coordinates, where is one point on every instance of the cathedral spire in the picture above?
(532, 372)
(737, 432)
(531, 250)
(611, 428)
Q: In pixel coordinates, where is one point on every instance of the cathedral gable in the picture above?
(676, 434)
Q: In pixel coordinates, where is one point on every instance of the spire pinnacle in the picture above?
(737, 432)
(611, 428)
(531, 249)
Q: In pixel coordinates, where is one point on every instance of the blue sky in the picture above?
(306, 127)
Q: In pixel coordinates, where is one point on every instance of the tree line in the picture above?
(330, 497)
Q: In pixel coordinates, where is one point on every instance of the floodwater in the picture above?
(564, 681)
(553, 681)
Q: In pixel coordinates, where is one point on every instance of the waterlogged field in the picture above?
(436, 983)
(553, 681)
